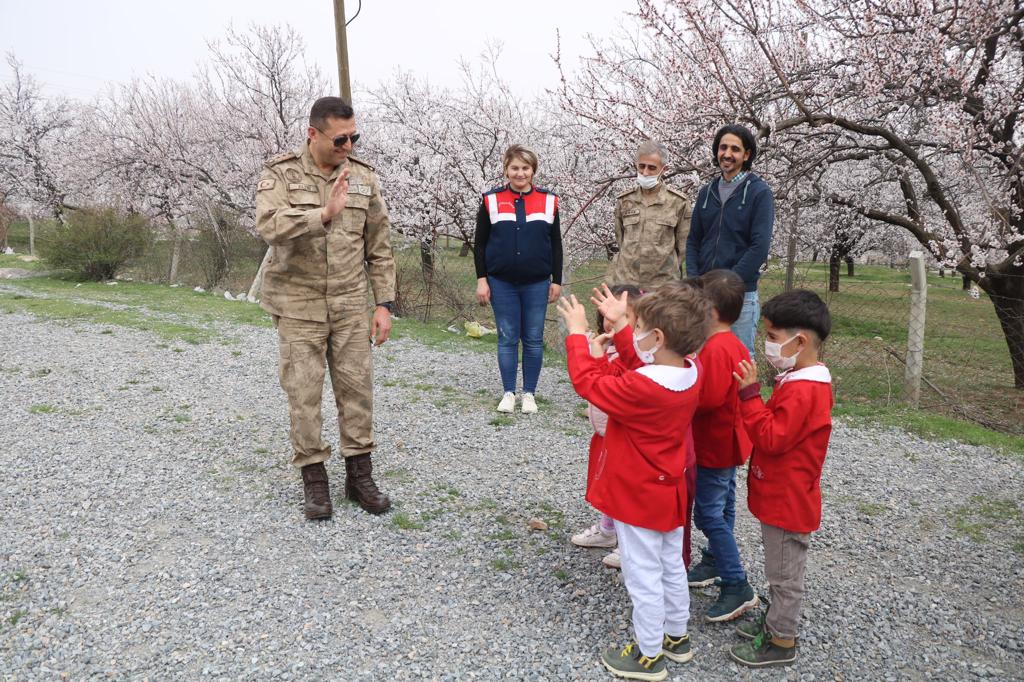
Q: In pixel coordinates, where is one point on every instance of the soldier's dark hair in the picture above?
(681, 312)
(633, 293)
(329, 107)
(746, 137)
(726, 290)
(799, 310)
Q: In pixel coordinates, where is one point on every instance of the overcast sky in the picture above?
(76, 47)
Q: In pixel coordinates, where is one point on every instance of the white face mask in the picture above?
(647, 181)
(646, 356)
(773, 353)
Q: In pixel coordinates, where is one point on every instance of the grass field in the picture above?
(966, 359)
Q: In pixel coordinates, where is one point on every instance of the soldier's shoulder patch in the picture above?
(623, 195)
(676, 191)
(265, 183)
(283, 156)
(360, 162)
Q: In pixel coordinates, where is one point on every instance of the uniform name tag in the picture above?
(365, 190)
(635, 211)
(302, 186)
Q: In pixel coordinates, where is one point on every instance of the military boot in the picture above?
(317, 492)
(359, 485)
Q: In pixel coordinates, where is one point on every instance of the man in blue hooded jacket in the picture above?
(732, 223)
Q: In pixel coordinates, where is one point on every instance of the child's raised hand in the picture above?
(747, 374)
(613, 309)
(574, 314)
(599, 344)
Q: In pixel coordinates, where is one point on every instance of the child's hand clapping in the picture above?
(599, 344)
(613, 309)
(574, 313)
(747, 374)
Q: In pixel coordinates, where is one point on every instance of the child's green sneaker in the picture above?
(630, 664)
(763, 652)
(749, 629)
(677, 648)
(705, 573)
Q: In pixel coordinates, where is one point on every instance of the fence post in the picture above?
(915, 331)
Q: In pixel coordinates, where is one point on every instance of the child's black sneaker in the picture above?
(677, 648)
(630, 664)
(733, 600)
(763, 652)
(705, 573)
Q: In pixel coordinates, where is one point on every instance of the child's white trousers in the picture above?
(652, 567)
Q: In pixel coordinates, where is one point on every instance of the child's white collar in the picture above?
(817, 373)
(673, 378)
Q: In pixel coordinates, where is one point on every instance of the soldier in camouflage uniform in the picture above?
(651, 224)
(321, 211)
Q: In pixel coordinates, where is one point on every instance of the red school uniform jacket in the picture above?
(719, 437)
(638, 472)
(790, 435)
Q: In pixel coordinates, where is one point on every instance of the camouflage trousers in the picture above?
(342, 345)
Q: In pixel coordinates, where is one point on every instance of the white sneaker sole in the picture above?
(595, 543)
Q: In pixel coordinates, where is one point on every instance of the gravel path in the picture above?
(150, 527)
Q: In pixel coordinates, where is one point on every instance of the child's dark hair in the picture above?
(799, 309)
(726, 290)
(633, 293)
(681, 311)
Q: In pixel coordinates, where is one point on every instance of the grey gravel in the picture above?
(150, 526)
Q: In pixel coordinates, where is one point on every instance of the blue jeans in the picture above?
(714, 514)
(519, 311)
(746, 326)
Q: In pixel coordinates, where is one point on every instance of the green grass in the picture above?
(502, 420)
(42, 409)
(405, 522)
(871, 508)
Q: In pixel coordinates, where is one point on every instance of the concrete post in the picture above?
(915, 332)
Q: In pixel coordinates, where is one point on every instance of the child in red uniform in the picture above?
(790, 436)
(602, 533)
(637, 478)
(722, 445)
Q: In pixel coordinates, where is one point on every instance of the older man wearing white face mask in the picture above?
(652, 221)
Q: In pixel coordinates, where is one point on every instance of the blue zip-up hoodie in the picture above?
(734, 237)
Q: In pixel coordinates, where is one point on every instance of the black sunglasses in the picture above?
(340, 140)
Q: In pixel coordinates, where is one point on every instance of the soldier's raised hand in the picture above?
(338, 198)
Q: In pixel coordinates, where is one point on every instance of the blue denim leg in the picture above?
(508, 318)
(715, 487)
(534, 302)
(730, 505)
(746, 326)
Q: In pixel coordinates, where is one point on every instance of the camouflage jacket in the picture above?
(316, 268)
(651, 231)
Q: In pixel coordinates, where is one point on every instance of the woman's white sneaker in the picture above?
(529, 404)
(508, 403)
(612, 560)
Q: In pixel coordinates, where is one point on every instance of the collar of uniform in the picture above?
(656, 196)
(508, 186)
(818, 373)
(309, 164)
(675, 379)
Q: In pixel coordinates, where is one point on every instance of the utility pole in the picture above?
(342, 40)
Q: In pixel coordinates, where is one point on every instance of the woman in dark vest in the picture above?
(519, 270)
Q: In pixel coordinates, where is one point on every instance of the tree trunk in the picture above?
(172, 273)
(464, 251)
(849, 266)
(834, 260)
(942, 272)
(427, 257)
(1007, 294)
(966, 284)
(814, 255)
(791, 260)
(31, 235)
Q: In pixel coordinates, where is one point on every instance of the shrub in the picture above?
(97, 243)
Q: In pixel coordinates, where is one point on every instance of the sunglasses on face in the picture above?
(340, 140)
(646, 166)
